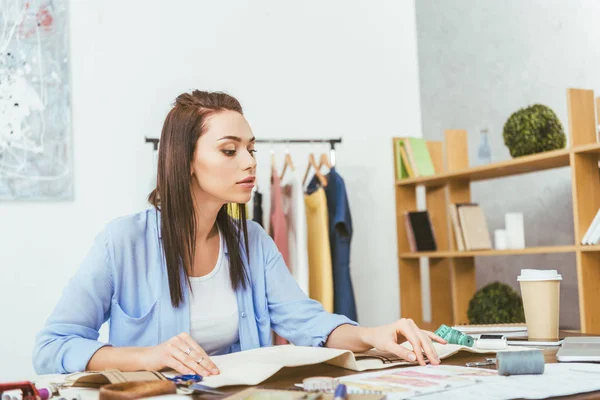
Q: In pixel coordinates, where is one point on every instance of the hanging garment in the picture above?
(295, 215)
(340, 235)
(319, 252)
(278, 229)
(277, 223)
(257, 214)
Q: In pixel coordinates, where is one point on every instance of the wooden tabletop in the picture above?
(288, 377)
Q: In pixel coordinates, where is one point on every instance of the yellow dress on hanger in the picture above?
(319, 253)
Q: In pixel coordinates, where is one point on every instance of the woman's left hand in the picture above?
(389, 337)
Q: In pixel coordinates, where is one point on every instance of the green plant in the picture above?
(534, 129)
(496, 303)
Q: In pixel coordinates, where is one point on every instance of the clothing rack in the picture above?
(154, 142)
(332, 142)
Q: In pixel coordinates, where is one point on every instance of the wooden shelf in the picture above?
(587, 148)
(521, 165)
(452, 274)
(487, 253)
(590, 248)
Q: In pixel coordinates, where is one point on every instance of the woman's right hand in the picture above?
(172, 354)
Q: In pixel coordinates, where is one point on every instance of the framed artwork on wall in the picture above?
(35, 110)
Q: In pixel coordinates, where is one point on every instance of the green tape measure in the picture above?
(454, 336)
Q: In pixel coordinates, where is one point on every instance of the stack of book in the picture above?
(469, 226)
(592, 235)
(412, 158)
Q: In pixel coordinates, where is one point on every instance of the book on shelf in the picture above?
(592, 235)
(401, 171)
(406, 165)
(474, 227)
(409, 158)
(419, 230)
(412, 158)
(468, 224)
(419, 153)
(458, 235)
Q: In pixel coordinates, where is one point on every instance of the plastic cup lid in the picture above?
(539, 275)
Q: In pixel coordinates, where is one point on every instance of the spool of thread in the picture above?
(454, 336)
(530, 362)
(45, 393)
(320, 384)
(340, 392)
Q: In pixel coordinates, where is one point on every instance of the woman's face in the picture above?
(224, 167)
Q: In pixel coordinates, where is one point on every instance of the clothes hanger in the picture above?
(287, 162)
(272, 158)
(324, 161)
(312, 162)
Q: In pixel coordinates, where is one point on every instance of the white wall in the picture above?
(300, 69)
(479, 62)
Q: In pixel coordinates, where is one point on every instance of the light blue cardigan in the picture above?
(124, 278)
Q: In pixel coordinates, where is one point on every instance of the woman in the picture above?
(183, 279)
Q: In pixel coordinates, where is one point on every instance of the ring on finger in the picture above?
(198, 361)
(188, 351)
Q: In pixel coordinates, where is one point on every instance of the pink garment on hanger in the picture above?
(278, 229)
(278, 225)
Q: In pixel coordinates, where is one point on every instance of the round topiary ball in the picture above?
(496, 303)
(534, 129)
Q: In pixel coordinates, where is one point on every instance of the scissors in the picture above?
(186, 380)
(190, 382)
(488, 361)
(196, 387)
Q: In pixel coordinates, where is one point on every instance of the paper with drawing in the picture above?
(558, 380)
(404, 383)
(251, 367)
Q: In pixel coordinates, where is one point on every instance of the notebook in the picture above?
(474, 227)
(401, 172)
(458, 235)
(403, 167)
(418, 151)
(592, 235)
(420, 231)
(509, 330)
(580, 349)
(406, 164)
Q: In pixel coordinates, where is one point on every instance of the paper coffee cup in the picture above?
(540, 290)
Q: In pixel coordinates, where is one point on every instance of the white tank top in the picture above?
(214, 319)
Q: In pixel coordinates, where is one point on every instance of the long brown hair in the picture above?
(173, 194)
